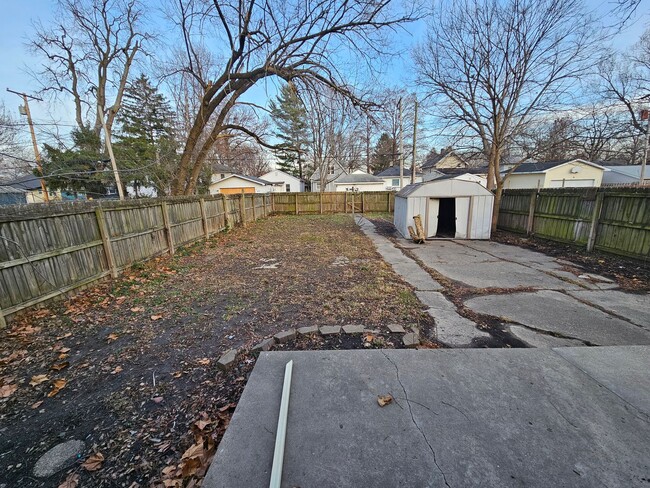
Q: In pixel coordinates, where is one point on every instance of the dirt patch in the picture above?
(136, 357)
(631, 275)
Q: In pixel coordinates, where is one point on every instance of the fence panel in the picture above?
(332, 202)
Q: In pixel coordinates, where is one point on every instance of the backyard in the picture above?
(129, 367)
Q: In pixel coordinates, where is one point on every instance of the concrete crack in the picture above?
(458, 410)
(562, 415)
(417, 426)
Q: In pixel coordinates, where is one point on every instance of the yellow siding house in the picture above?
(556, 174)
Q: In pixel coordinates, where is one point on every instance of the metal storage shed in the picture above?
(449, 208)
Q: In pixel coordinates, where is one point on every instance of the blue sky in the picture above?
(16, 28)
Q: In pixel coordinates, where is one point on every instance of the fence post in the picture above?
(106, 241)
(254, 212)
(168, 228)
(388, 202)
(3, 321)
(345, 203)
(296, 204)
(362, 202)
(226, 212)
(531, 213)
(242, 208)
(321, 202)
(598, 206)
(204, 217)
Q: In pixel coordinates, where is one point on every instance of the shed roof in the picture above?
(358, 178)
(542, 167)
(393, 171)
(252, 179)
(448, 186)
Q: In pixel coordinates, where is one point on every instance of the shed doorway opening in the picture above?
(447, 218)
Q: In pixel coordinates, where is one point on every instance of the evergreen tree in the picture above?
(146, 146)
(83, 168)
(290, 117)
(385, 153)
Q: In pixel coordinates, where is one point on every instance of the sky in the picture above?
(16, 26)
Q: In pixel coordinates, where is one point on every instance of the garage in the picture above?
(450, 209)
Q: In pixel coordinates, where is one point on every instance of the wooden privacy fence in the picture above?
(51, 250)
(333, 202)
(615, 220)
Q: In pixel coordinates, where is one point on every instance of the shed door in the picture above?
(462, 216)
(432, 217)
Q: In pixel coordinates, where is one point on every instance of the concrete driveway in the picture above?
(538, 299)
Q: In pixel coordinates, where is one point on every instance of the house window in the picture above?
(287, 187)
(330, 169)
(223, 175)
(395, 182)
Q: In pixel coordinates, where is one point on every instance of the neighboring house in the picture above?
(220, 172)
(556, 174)
(359, 181)
(477, 175)
(284, 182)
(621, 175)
(444, 160)
(334, 172)
(10, 195)
(235, 184)
(391, 177)
(30, 185)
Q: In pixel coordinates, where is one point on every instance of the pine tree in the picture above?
(146, 146)
(290, 117)
(385, 153)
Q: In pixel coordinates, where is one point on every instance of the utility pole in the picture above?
(415, 140)
(109, 148)
(37, 154)
(401, 147)
(368, 144)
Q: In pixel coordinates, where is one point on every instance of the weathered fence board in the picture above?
(615, 220)
(332, 202)
(50, 250)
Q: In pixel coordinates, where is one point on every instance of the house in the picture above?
(284, 182)
(477, 175)
(235, 184)
(359, 181)
(449, 208)
(391, 177)
(220, 172)
(30, 186)
(555, 174)
(448, 159)
(334, 172)
(621, 175)
(11, 196)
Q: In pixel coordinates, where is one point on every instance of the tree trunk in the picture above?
(497, 205)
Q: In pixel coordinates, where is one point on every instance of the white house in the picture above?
(334, 171)
(391, 177)
(555, 174)
(449, 208)
(284, 182)
(235, 184)
(220, 172)
(359, 181)
(621, 175)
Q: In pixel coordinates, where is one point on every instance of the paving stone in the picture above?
(285, 335)
(396, 329)
(411, 339)
(265, 345)
(330, 330)
(227, 360)
(312, 329)
(59, 457)
(353, 329)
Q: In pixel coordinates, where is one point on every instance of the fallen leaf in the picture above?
(72, 481)
(64, 350)
(384, 400)
(157, 399)
(63, 355)
(137, 309)
(64, 336)
(118, 369)
(38, 379)
(94, 462)
(177, 374)
(204, 361)
(7, 390)
(58, 386)
(193, 451)
(60, 366)
(156, 317)
(36, 405)
(112, 337)
(120, 300)
(202, 424)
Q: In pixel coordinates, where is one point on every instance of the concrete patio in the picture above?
(472, 418)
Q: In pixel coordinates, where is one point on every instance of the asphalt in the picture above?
(575, 417)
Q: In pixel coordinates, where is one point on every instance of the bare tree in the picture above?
(494, 65)
(13, 160)
(88, 55)
(294, 40)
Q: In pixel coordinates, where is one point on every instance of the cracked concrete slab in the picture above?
(558, 313)
(634, 307)
(471, 418)
(538, 339)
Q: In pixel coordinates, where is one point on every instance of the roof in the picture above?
(633, 171)
(222, 168)
(253, 179)
(358, 178)
(288, 175)
(432, 162)
(24, 183)
(461, 171)
(542, 167)
(393, 171)
(448, 187)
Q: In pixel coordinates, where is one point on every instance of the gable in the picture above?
(451, 161)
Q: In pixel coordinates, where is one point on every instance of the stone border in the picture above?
(410, 339)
